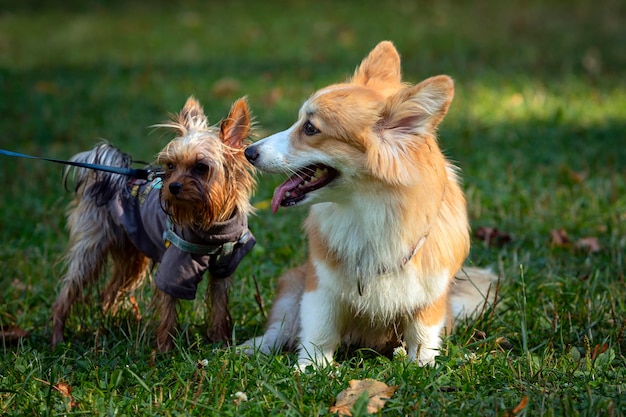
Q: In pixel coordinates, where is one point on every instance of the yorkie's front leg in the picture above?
(166, 305)
(221, 327)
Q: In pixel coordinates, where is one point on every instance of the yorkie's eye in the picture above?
(170, 166)
(310, 129)
(201, 168)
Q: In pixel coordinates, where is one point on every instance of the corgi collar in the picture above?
(385, 269)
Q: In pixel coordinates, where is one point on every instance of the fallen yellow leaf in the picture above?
(590, 244)
(518, 408)
(378, 393)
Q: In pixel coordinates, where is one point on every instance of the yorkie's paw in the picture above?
(219, 334)
(165, 344)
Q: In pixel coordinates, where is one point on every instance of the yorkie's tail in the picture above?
(98, 185)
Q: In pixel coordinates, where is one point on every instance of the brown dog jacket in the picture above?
(183, 254)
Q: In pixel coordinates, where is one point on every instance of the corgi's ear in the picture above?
(381, 68)
(192, 115)
(408, 116)
(419, 109)
(234, 130)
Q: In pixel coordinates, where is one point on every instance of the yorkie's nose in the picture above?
(251, 153)
(176, 187)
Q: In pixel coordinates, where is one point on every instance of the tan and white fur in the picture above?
(387, 228)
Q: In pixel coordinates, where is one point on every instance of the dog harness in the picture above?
(183, 254)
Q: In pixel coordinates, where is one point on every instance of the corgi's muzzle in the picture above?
(303, 180)
(268, 155)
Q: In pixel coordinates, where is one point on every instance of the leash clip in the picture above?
(149, 174)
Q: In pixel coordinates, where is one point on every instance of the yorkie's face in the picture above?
(190, 174)
(206, 174)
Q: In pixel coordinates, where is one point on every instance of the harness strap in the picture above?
(141, 195)
(383, 269)
(223, 251)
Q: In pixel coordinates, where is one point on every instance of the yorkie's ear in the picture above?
(235, 128)
(192, 115)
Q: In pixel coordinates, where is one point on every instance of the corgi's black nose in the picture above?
(251, 153)
(176, 187)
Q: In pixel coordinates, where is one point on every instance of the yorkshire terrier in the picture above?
(191, 219)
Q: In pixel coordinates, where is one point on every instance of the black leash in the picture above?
(142, 174)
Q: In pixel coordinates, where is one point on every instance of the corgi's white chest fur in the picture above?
(375, 277)
(383, 299)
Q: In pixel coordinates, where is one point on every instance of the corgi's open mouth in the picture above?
(305, 180)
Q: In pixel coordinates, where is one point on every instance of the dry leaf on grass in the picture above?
(66, 391)
(590, 244)
(378, 392)
(560, 238)
(598, 350)
(492, 236)
(225, 87)
(273, 97)
(12, 334)
(518, 408)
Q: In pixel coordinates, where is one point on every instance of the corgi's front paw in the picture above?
(259, 344)
(317, 361)
(302, 365)
(427, 357)
(307, 365)
(254, 345)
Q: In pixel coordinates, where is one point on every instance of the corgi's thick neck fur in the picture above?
(388, 225)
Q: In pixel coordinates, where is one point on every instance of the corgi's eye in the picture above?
(201, 168)
(309, 129)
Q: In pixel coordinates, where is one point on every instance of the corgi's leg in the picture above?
(320, 335)
(422, 334)
(284, 321)
(282, 328)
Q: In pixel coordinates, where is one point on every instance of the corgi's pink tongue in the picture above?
(305, 180)
(282, 190)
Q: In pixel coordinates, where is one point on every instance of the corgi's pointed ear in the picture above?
(421, 108)
(380, 68)
(234, 130)
(192, 115)
(408, 116)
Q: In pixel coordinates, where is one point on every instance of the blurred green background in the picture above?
(538, 127)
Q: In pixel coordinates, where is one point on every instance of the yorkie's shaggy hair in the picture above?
(192, 219)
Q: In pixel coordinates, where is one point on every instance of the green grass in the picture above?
(538, 127)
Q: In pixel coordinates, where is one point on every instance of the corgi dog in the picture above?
(388, 227)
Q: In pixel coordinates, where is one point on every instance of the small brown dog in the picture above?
(191, 220)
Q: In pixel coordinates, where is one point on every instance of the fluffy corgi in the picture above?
(388, 227)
